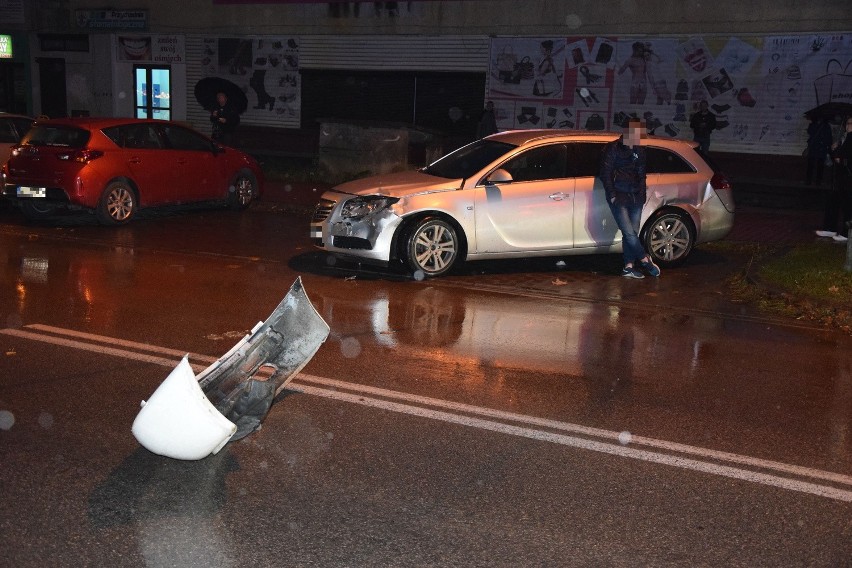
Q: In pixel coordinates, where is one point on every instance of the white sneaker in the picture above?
(840, 238)
(825, 233)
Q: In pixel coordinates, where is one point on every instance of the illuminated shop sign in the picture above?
(5, 47)
(113, 19)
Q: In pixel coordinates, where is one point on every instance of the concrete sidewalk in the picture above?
(765, 213)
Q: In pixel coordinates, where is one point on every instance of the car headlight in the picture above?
(360, 207)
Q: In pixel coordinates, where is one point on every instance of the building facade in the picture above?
(431, 64)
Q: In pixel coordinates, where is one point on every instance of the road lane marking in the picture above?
(101, 349)
(481, 417)
(582, 443)
(587, 430)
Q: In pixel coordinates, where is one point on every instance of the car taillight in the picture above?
(18, 150)
(80, 156)
(724, 190)
(719, 181)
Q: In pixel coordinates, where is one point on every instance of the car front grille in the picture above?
(323, 210)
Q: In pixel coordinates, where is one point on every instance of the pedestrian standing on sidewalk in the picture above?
(702, 123)
(819, 145)
(487, 121)
(839, 201)
(623, 167)
(225, 119)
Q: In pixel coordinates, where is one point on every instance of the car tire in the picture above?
(669, 237)
(35, 210)
(243, 193)
(432, 247)
(117, 205)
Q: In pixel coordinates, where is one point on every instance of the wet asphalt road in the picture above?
(511, 414)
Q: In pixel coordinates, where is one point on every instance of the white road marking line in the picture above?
(582, 443)
(585, 430)
(114, 341)
(611, 446)
(102, 349)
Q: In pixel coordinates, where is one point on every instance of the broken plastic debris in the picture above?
(195, 429)
(190, 417)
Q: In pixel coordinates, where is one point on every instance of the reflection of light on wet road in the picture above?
(7, 420)
(34, 270)
(350, 347)
(622, 444)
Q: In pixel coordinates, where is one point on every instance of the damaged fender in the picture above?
(190, 417)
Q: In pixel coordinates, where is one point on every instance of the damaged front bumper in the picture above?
(360, 227)
(190, 417)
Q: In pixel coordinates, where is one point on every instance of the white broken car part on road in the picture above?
(191, 417)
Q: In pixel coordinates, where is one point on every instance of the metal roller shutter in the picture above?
(396, 53)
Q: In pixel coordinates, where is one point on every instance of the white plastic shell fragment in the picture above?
(190, 417)
(179, 422)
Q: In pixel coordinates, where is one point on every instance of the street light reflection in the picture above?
(34, 270)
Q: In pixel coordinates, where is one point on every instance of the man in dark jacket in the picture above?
(225, 120)
(623, 176)
(819, 147)
(702, 123)
(487, 122)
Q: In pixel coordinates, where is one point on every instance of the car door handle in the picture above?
(135, 160)
(559, 196)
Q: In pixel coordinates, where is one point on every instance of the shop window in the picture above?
(152, 85)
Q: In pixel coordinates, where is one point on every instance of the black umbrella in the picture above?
(207, 89)
(830, 110)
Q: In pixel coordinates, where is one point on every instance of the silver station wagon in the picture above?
(521, 194)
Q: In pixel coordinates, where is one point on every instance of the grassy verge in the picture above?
(814, 271)
(807, 282)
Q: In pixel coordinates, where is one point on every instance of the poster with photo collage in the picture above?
(265, 69)
(758, 87)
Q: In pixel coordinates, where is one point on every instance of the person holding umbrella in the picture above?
(818, 148)
(225, 120)
(839, 202)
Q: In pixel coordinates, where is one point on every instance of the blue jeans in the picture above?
(627, 217)
(703, 142)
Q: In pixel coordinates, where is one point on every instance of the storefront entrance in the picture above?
(54, 98)
(152, 86)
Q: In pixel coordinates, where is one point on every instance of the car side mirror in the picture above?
(498, 176)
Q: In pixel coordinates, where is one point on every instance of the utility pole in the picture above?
(848, 266)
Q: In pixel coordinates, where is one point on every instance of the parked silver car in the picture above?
(12, 129)
(522, 193)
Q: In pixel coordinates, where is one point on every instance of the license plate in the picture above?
(27, 191)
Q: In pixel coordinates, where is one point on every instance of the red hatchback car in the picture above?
(115, 166)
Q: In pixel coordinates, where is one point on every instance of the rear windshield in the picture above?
(468, 160)
(706, 157)
(63, 136)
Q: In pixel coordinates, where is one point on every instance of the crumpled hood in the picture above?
(401, 184)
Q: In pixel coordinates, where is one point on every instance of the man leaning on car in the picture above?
(623, 174)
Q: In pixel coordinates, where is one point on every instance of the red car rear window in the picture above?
(63, 136)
